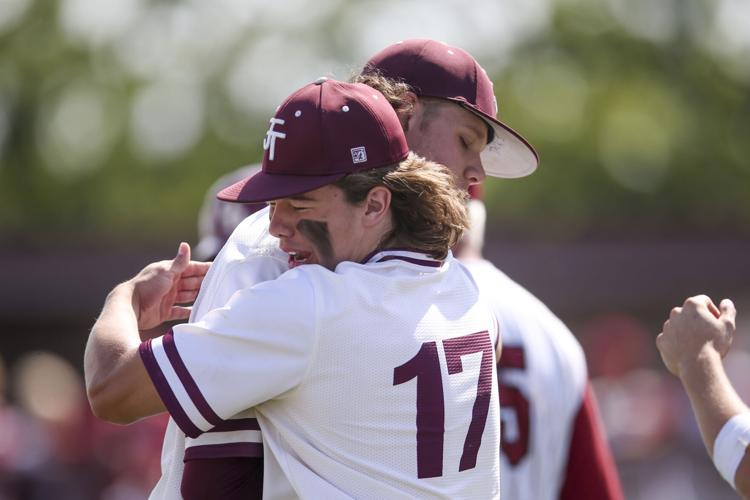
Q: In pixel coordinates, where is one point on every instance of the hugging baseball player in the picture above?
(553, 445)
(339, 360)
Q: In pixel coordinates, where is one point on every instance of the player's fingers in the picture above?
(191, 283)
(697, 301)
(660, 341)
(185, 297)
(196, 268)
(182, 259)
(674, 312)
(713, 310)
(728, 313)
(179, 312)
(704, 301)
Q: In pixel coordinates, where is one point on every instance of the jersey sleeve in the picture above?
(591, 472)
(254, 349)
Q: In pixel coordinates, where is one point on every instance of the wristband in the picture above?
(730, 445)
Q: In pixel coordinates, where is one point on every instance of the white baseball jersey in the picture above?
(542, 372)
(543, 383)
(377, 380)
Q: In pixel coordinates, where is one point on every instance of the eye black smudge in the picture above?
(317, 233)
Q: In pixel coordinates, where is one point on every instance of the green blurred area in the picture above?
(638, 134)
(635, 137)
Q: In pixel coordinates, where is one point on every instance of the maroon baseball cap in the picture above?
(322, 132)
(434, 69)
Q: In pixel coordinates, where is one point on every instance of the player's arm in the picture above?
(695, 339)
(117, 383)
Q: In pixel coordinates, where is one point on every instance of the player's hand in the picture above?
(694, 331)
(161, 289)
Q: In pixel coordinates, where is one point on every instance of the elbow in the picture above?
(108, 406)
(111, 388)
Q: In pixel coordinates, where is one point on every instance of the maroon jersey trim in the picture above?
(224, 450)
(591, 473)
(165, 392)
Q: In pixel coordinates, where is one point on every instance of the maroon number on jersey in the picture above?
(515, 446)
(425, 366)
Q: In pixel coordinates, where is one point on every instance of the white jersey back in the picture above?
(252, 256)
(542, 381)
(376, 381)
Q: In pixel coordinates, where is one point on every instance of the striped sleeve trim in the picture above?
(165, 391)
(177, 388)
(188, 382)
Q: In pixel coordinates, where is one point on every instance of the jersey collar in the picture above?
(407, 255)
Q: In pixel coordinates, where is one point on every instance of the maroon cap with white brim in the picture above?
(322, 132)
(434, 69)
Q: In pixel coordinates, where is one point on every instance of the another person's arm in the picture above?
(695, 339)
(117, 383)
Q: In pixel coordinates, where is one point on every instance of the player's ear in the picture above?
(376, 205)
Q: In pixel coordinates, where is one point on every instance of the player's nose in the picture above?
(474, 172)
(280, 225)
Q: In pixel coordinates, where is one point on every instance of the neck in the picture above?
(465, 251)
(381, 237)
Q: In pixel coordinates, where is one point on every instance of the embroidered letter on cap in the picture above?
(269, 143)
(359, 155)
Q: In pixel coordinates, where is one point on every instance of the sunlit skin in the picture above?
(448, 134)
(321, 227)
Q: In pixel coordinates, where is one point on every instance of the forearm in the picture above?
(714, 402)
(113, 369)
(692, 344)
(711, 394)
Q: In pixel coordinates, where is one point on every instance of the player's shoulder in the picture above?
(512, 299)
(322, 279)
(527, 321)
(288, 297)
(489, 275)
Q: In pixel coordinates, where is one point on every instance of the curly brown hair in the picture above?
(394, 91)
(428, 210)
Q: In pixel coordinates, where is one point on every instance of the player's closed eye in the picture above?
(293, 206)
(297, 208)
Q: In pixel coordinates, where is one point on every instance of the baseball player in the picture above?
(551, 428)
(371, 373)
(553, 446)
(695, 338)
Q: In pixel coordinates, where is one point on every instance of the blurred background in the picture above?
(115, 117)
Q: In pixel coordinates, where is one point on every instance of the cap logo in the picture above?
(359, 155)
(269, 143)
